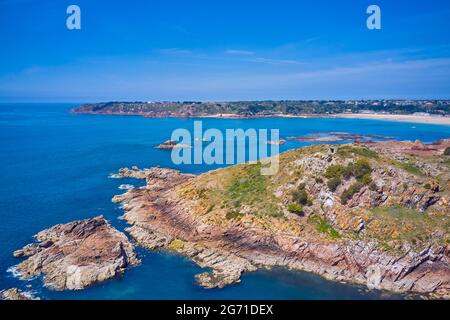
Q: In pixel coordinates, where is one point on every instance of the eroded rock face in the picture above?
(15, 294)
(78, 254)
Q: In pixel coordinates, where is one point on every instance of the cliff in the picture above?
(370, 214)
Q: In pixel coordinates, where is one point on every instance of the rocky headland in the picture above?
(76, 255)
(349, 213)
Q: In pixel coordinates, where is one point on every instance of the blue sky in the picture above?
(223, 50)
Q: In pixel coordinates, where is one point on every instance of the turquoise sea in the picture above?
(55, 167)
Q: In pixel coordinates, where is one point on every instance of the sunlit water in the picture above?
(55, 168)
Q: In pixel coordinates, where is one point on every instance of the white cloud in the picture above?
(239, 52)
(275, 61)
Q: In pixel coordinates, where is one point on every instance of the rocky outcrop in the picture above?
(170, 145)
(76, 255)
(340, 136)
(134, 172)
(409, 147)
(176, 212)
(16, 294)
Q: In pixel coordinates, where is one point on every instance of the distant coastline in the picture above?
(426, 112)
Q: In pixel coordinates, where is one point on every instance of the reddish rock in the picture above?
(77, 254)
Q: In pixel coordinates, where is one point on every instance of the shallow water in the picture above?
(55, 167)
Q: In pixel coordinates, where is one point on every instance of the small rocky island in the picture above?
(170, 145)
(375, 213)
(78, 254)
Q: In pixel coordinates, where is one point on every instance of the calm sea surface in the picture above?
(55, 166)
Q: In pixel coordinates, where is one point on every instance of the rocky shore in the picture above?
(76, 255)
(392, 233)
(16, 294)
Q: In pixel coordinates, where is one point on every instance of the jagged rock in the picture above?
(16, 294)
(77, 254)
(170, 144)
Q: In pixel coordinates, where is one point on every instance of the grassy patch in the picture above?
(333, 183)
(397, 224)
(247, 187)
(355, 188)
(346, 151)
(324, 227)
(361, 170)
(295, 208)
(334, 171)
(300, 196)
(410, 168)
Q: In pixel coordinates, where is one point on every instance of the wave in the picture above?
(126, 187)
(14, 272)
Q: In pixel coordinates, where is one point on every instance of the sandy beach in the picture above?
(395, 117)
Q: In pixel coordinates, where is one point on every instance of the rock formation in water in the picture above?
(170, 145)
(16, 294)
(350, 213)
(78, 254)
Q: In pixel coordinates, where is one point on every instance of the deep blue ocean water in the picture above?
(55, 166)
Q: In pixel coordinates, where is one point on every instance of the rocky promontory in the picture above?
(78, 254)
(349, 213)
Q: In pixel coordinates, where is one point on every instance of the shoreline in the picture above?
(436, 120)
(396, 117)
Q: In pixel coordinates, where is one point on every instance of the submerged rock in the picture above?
(78, 254)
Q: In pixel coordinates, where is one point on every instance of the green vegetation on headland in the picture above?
(246, 189)
(324, 227)
(409, 168)
(268, 108)
(395, 225)
(360, 170)
(314, 193)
